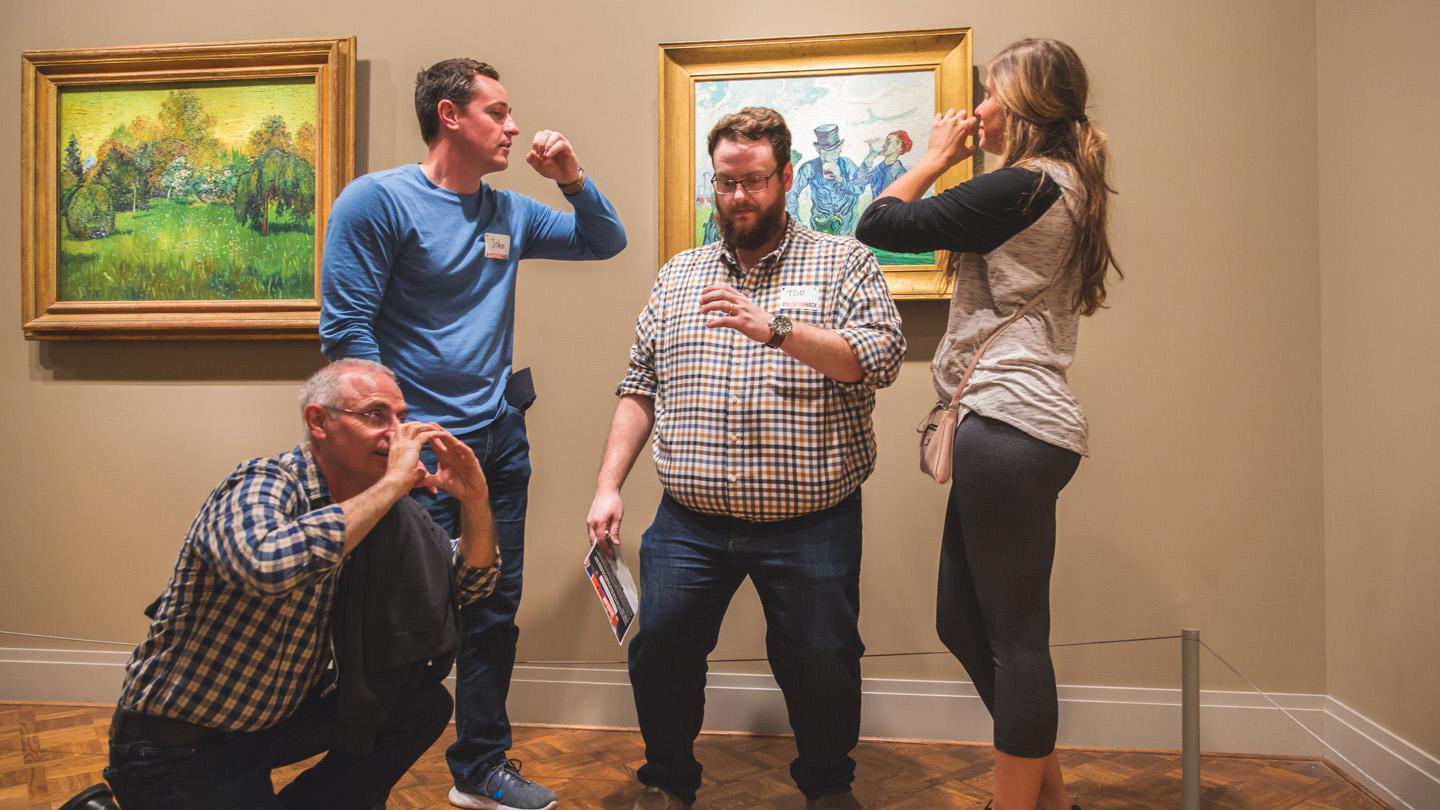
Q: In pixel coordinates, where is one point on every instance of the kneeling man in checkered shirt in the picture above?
(257, 626)
(756, 362)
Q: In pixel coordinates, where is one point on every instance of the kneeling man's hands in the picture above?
(404, 467)
(457, 470)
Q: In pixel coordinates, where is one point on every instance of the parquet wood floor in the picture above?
(49, 752)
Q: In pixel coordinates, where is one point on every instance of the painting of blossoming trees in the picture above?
(199, 192)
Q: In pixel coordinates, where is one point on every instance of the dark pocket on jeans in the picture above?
(148, 769)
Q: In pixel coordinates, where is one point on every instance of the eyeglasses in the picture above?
(751, 184)
(374, 418)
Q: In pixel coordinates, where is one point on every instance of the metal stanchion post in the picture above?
(1190, 717)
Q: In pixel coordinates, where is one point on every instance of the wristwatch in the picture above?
(780, 327)
(572, 188)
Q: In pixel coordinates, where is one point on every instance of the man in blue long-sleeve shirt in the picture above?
(419, 273)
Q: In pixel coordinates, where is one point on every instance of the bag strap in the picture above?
(974, 361)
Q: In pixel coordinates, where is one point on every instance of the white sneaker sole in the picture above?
(470, 801)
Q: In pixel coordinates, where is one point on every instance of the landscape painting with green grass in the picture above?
(196, 192)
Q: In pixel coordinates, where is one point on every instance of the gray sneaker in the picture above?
(654, 798)
(834, 801)
(503, 788)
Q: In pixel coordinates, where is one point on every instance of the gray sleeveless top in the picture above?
(1020, 379)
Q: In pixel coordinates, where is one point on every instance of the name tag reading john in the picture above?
(804, 298)
(497, 246)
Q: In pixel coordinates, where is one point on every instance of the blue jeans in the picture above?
(488, 634)
(807, 572)
(233, 771)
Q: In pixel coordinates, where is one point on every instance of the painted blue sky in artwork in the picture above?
(865, 106)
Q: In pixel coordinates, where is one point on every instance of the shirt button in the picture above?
(734, 400)
(732, 478)
(735, 437)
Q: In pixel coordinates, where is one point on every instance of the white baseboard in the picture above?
(82, 676)
(1388, 766)
(1090, 716)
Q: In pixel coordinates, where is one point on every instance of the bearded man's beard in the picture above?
(766, 226)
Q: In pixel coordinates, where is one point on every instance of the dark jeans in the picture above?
(807, 572)
(993, 606)
(488, 634)
(233, 771)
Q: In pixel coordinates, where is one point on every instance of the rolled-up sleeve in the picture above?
(871, 325)
(473, 583)
(640, 375)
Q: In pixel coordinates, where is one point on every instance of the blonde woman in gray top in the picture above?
(1040, 218)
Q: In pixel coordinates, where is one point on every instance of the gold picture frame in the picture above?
(150, 215)
(698, 78)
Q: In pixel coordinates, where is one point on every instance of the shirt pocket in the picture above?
(789, 378)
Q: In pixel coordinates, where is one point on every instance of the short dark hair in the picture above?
(755, 123)
(453, 79)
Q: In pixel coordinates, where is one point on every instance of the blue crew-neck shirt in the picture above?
(408, 281)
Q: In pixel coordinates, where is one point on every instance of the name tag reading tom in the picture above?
(497, 246)
(806, 298)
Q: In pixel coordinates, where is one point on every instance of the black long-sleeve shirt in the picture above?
(976, 216)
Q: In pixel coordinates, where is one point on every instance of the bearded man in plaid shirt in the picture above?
(756, 362)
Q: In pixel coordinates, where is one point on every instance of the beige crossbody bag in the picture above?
(937, 431)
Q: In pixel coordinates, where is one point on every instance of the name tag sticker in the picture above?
(806, 298)
(497, 246)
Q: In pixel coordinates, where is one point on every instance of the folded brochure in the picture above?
(614, 587)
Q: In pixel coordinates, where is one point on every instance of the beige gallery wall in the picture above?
(1200, 506)
(1380, 277)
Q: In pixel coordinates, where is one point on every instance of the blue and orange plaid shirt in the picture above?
(750, 432)
(242, 633)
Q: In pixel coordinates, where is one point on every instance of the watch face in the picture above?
(780, 326)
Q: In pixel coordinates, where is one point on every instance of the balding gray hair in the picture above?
(327, 386)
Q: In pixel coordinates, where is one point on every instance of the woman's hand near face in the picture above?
(951, 138)
(951, 141)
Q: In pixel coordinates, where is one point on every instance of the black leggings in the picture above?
(993, 607)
